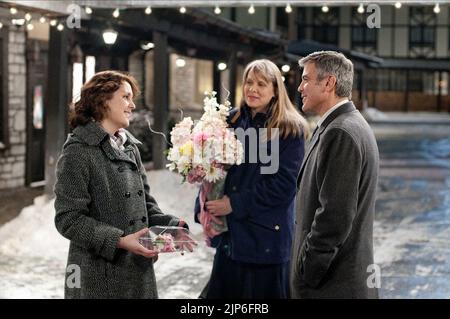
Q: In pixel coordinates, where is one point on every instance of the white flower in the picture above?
(214, 174)
(219, 145)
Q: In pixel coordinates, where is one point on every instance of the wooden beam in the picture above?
(161, 98)
(232, 77)
(57, 107)
(216, 80)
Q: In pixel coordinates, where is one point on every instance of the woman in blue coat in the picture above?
(252, 257)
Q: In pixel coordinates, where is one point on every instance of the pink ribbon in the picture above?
(205, 217)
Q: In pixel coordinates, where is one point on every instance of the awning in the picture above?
(305, 47)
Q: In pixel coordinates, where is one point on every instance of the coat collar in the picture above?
(92, 134)
(344, 108)
(259, 118)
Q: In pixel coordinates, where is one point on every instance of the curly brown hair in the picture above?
(94, 95)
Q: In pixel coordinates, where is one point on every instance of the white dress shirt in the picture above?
(322, 119)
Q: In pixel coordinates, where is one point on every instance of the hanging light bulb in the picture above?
(88, 10)
(60, 27)
(217, 10)
(30, 26)
(436, 8)
(182, 10)
(42, 19)
(360, 8)
(221, 66)
(147, 45)
(27, 16)
(325, 9)
(109, 36)
(1, 25)
(13, 10)
(285, 68)
(53, 23)
(251, 10)
(180, 63)
(398, 5)
(116, 13)
(288, 8)
(148, 10)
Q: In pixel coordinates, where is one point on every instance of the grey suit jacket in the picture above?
(333, 245)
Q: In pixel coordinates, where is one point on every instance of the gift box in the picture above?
(168, 239)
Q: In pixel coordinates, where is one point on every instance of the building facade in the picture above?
(401, 66)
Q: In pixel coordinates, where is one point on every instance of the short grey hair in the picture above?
(336, 64)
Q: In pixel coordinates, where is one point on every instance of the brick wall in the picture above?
(12, 160)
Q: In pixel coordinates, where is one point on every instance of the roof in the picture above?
(305, 47)
(416, 64)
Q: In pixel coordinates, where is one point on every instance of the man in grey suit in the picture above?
(333, 247)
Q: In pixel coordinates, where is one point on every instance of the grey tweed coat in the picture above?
(333, 246)
(102, 194)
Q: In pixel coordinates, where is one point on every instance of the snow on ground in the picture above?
(411, 241)
(33, 254)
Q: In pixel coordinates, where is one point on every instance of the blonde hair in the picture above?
(284, 115)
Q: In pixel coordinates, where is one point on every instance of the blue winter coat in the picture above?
(262, 221)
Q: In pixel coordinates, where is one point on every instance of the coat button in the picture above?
(140, 192)
(131, 222)
(277, 227)
(144, 219)
(234, 188)
(127, 194)
(267, 250)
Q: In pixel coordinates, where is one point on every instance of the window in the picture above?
(4, 129)
(301, 23)
(204, 80)
(424, 81)
(326, 25)
(422, 32)
(364, 39)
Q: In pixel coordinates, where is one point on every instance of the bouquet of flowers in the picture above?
(201, 153)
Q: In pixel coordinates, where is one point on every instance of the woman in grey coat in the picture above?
(103, 202)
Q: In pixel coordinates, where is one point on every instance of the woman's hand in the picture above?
(219, 207)
(131, 243)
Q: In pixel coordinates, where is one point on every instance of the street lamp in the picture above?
(109, 36)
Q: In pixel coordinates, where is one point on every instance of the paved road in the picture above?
(412, 227)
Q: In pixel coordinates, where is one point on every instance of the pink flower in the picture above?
(200, 137)
(196, 175)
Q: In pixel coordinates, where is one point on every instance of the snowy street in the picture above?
(412, 228)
